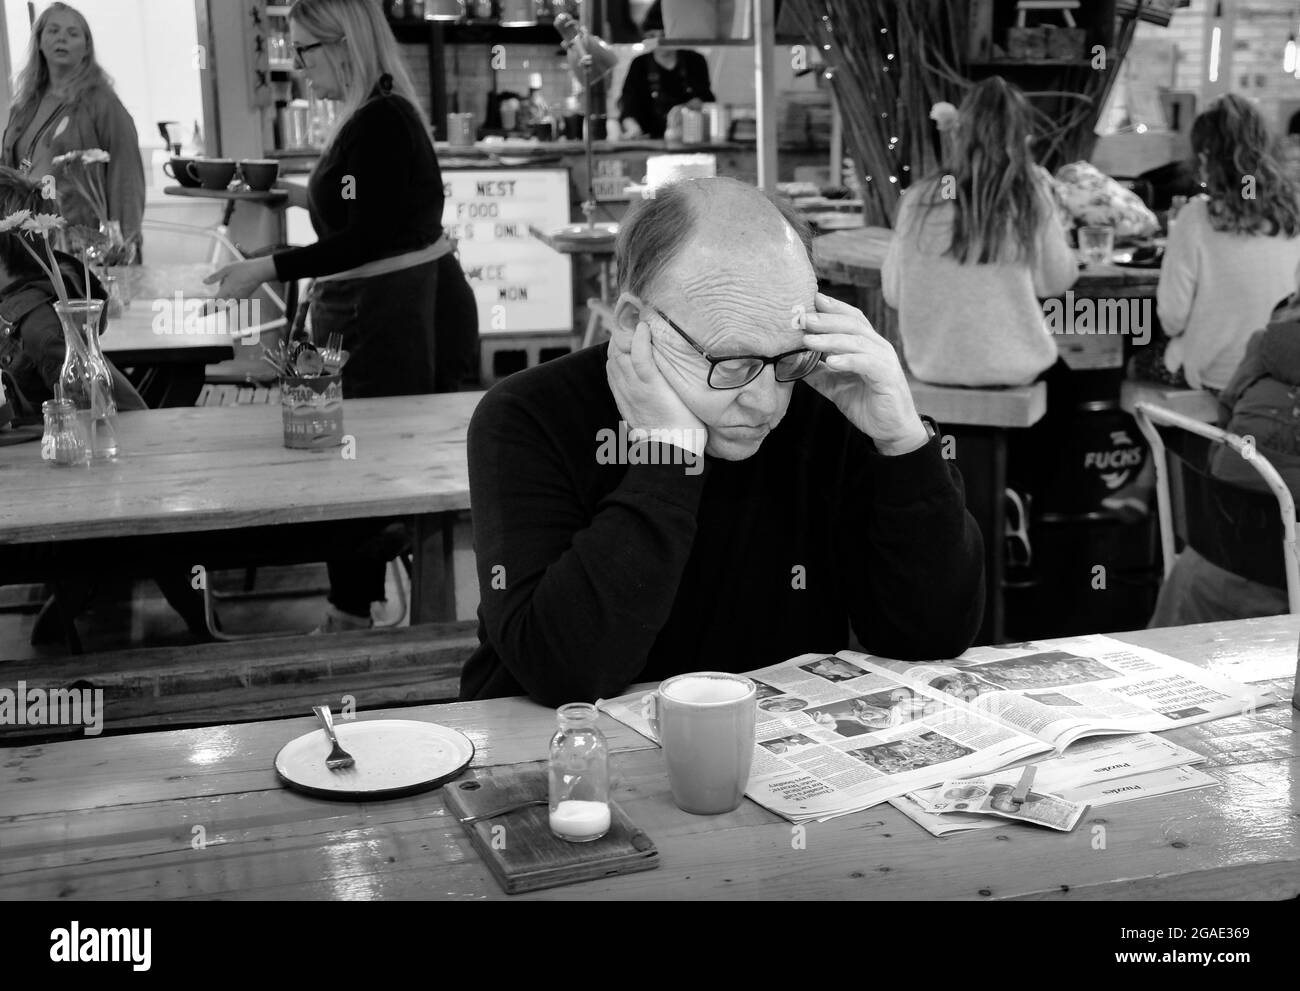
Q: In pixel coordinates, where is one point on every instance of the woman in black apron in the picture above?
(386, 279)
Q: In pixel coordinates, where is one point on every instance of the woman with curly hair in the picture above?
(1232, 254)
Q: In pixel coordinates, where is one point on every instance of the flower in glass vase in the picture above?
(84, 378)
(84, 171)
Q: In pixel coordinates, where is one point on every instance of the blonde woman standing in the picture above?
(65, 102)
(386, 279)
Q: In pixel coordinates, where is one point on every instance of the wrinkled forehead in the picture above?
(741, 296)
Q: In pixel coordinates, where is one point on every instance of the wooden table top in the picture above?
(223, 467)
(1196, 403)
(855, 257)
(117, 817)
(146, 332)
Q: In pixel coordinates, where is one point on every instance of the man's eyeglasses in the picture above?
(739, 370)
(300, 50)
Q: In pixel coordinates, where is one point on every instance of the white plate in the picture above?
(393, 757)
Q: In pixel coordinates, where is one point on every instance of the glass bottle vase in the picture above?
(84, 378)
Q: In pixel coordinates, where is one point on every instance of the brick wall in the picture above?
(417, 65)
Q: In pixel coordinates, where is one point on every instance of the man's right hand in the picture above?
(645, 399)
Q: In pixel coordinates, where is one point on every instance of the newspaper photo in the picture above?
(981, 796)
(842, 732)
(1096, 772)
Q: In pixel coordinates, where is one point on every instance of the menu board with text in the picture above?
(521, 284)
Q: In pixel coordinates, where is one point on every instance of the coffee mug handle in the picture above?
(166, 167)
(650, 710)
(190, 171)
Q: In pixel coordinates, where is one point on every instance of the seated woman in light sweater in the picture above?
(1231, 256)
(974, 248)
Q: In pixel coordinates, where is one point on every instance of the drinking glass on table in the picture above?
(1097, 244)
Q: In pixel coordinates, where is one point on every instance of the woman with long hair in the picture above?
(386, 279)
(65, 102)
(985, 229)
(1232, 254)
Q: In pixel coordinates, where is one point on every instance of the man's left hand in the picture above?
(862, 376)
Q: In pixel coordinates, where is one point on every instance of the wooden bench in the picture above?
(205, 684)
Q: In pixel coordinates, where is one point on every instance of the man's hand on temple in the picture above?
(644, 397)
(862, 376)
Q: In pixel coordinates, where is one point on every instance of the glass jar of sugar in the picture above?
(579, 775)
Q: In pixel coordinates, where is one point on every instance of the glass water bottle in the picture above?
(579, 775)
(84, 378)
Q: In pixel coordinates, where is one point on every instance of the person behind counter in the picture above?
(65, 102)
(660, 81)
(776, 487)
(985, 227)
(385, 275)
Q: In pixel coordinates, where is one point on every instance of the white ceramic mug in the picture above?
(705, 723)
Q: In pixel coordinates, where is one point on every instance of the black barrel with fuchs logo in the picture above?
(1093, 547)
(1094, 455)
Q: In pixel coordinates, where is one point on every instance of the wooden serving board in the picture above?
(519, 847)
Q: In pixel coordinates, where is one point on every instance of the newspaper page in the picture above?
(1079, 686)
(1097, 772)
(836, 737)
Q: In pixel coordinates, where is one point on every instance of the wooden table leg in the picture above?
(981, 456)
(433, 578)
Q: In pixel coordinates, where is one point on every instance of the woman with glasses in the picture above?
(803, 498)
(64, 101)
(386, 279)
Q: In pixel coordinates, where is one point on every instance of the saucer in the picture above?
(394, 757)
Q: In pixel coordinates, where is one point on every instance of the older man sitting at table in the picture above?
(739, 477)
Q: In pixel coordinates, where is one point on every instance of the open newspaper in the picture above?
(841, 733)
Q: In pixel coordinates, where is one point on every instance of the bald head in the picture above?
(723, 222)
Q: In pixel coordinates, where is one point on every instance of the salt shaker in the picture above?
(65, 441)
(579, 775)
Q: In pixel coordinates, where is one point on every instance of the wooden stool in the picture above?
(1064, 6)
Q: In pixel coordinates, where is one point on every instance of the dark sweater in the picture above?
(650, 90)
(376, 192)
(614, 573)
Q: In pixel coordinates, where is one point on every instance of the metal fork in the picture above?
(333, 353)
(338, 758)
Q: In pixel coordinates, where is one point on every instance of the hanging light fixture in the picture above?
(518, 13)
(443, 10)
(1288, 56)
